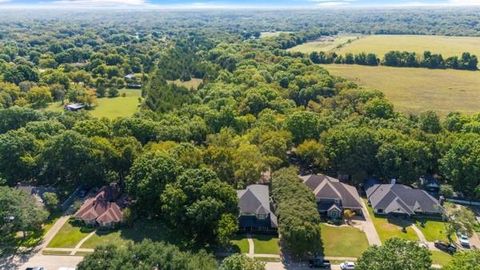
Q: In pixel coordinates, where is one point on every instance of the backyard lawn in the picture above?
(390, 228)
(343, 241)
(440, 257)
(266, 244)
(69, 236)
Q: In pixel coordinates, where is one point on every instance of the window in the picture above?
(262, 216)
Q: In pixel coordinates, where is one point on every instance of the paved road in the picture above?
(53, 262)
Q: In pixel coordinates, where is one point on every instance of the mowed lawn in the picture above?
(414, 90)
(440, 257)
(266, 244)
(111, 108)
(389, 228)
(381, 44)
(119, 106)
(433, 230)
(326, 44)
(69, 236)
(343, 241)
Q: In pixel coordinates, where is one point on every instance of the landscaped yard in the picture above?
(240, 243)
(266, 244)
(433, 230)
(343, 241)
(69, 236)
(141, 230)
(440, 257)
(390, 228)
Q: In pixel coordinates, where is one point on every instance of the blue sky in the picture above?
(240, 3)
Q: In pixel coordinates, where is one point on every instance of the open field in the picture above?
(440, 257)
(121, 106)
(343, 241)
(193, 83)
(325, 44)
(413, 90)
(381, 44)
(272, 34)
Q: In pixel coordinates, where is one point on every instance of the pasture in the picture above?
(381, 44)
(414, 90)
(325, 44)
(193, 83)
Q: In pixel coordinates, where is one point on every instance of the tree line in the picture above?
(466, 61)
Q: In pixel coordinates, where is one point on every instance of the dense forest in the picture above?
(258, 111)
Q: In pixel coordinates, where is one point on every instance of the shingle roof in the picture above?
(397, 198)
(255, 200)
(326, 187)
(102, 208)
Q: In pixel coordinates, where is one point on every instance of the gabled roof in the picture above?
(255, 200)
(102, 208)
(397, 198)
(325, 187)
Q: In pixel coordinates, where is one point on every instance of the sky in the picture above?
(237, 3)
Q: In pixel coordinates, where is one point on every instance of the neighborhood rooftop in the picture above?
(255, 201)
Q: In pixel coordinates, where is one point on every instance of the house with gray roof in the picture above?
(400, 199)
(256, 214)
(333, 196)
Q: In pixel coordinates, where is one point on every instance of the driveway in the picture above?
(52, 262)
(366, 225)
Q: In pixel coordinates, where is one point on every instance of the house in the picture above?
(255, 210)
(399, 199)
(130, 76)
(74, 107)
(104, 209)
(333, 196)
(37, 192)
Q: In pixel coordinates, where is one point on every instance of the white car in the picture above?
(347, 266)
(464, 241)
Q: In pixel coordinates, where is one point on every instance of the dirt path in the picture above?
(251, 246)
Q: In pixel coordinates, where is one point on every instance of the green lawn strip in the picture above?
(390, 228)
(240, 243)
(440, 257)
(432, 230)
(154, 230)
(193, 83)
(56, 252)
(265, 259)
(343, 241)
(266, 244)
(69, 235)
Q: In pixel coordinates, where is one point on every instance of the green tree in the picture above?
(50, 200)
(199, 203)
(465, 260)
(241, 262)
(20, 213)
(460, 220)
(312, 154)
(146, 255)
(303, 125)
(430, 122)
(395, 253)
(39, 97)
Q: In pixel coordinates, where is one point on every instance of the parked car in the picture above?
(449, 248)
(347, 266)
(35, 268)
(464, 240)
(319, 263)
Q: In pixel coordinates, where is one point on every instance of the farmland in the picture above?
(413, 90)
(381, 44)
(325, 44)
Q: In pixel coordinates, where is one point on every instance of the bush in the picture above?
(51, 200)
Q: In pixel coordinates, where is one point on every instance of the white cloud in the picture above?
(99, 2)
(464, 2)
(332, 3)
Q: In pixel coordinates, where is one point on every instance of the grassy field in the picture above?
(389, 228)
(193, 83)
(121, 106)
(325, 44)
(440, 257)
(141, 230)
(240, 243)
(381, 44)
(343, 241)
(433, 230)
(69, 236)
(266, 244)
(272, 34)
(413, 90)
